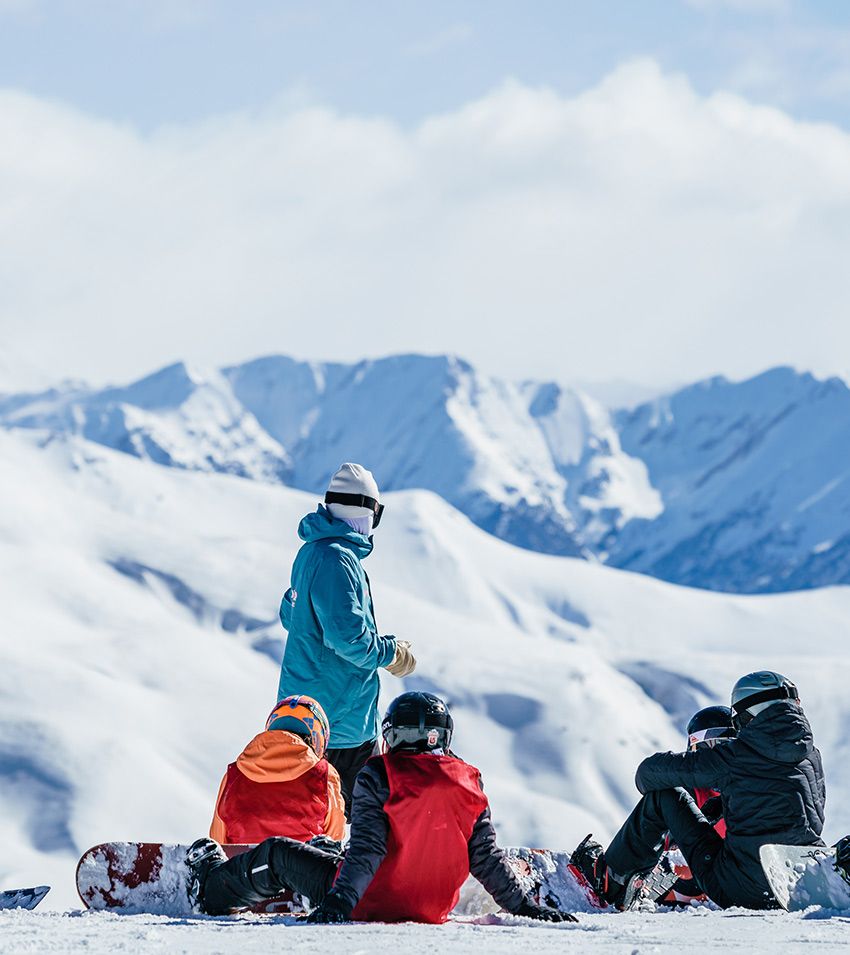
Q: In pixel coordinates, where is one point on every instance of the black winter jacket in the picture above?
(368, 846)
(771, 783)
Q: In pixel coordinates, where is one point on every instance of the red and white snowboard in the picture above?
(551, 879)
(546, 875)
(150, 878)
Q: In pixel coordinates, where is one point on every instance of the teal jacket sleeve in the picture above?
(339, 601)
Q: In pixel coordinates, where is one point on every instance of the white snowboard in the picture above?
(800, 876)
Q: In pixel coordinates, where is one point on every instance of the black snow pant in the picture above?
(272, 867)
(640, 842)
(348, 763)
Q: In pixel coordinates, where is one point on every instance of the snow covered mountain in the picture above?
(755, 479)
(177, 416)
(140, 651)
(522, 461)
(727, 486)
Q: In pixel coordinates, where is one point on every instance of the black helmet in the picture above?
(757, 691)
(419, 722)
(709, 726)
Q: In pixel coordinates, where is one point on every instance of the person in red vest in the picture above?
(282, 784)
(707, 728)
(420, 824)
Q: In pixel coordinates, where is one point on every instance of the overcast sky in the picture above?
(655, 191)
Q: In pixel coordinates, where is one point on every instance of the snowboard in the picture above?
(549, 878)
(23, 898)
(800, 876)
(151, 878)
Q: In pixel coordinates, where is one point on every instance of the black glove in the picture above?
(531, 910)
(332, 910)
(328, 845)
(712, 809)
(842, 853)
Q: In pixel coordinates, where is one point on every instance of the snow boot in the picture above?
(202, 856)
(589, 858)
(842, 857)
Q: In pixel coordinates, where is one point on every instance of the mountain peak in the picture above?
(169, 387)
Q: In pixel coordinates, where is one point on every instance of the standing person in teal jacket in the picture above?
(334, 651)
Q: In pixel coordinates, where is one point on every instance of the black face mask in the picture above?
(357, 500)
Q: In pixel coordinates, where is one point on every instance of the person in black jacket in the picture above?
(420, 825)
(772, 788)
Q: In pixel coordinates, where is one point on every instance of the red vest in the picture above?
(433, 805)
(253, 811)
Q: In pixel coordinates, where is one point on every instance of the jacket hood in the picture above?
(780, 733)
(322, 525)
(276, 757)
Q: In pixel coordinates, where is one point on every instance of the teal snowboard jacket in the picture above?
(333, 651)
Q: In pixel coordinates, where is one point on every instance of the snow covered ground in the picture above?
(139, 652)
(697, 930)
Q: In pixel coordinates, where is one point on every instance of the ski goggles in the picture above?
(710, 737)
(357, 500)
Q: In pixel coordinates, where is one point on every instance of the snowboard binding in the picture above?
(202, 855)
(642, 890)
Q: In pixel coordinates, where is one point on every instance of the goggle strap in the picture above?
(352, 500)
(357, 500)
(712, 732)
(774, 693)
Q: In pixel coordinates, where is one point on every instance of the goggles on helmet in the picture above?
(710, 737)
(357, 500)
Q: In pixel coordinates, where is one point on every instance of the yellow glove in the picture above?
(404, 661)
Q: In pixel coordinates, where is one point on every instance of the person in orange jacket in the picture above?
(281, 784)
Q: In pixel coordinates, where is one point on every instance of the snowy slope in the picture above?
(140, 647)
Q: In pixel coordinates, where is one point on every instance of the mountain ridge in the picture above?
(722, 485)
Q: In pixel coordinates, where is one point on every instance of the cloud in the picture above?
(636, 230)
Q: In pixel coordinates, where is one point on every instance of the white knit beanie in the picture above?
(354, 479)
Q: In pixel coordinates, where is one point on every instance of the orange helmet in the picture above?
(302, 715)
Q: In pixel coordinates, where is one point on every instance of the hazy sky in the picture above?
(654, 190)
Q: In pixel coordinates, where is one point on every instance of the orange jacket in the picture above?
(278, 787)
